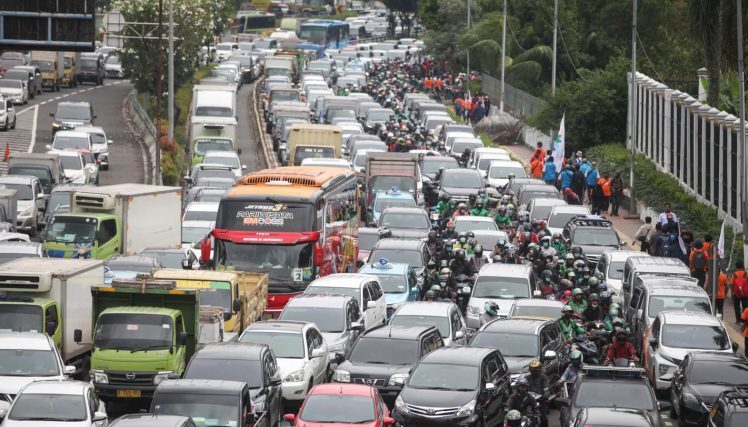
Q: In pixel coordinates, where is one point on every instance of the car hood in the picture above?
(11, 91)
(504, 305)
(409, 233)
(12, 385)
(518, 365)
(680, 353)
(459, 191)
(436, 398)
(497, 182)
(709, 392)
(13, 423)
(286, 366)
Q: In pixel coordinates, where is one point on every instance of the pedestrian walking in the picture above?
(739, 290)
(719, 301)
(699, 262)
(605, 185)
(549, 171)
(540, 151)
(591, 179)
(616, 197)
(667, 215)
(642, 234)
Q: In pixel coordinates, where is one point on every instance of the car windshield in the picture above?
(112, 60)
(502, 172)
(28, 363)
(88, 64)
(560, 219)
(542, 212)
(73, 112)
(437, 376)
(71, 162)
(739, 419)
(417, 221)
(379, 116)
(387, 202)
(204, 145)
(433, 166)
(338, 408)
(203, 368)
(285, 345)
(284, 95)
(466, 224)
(63, 142)
(23, 191)
(596, 236)
(334, 290)
(526, 196)
(20, 317)
(658, 304)
(72, 229)
(462, 180)
(441, 322)
(599, 394)
(223, 47)
(501, 287)
(537, 311)
(212, 410)
(512, 345)
(45, 177)
(133, 331)
(615, 270)
(326, 319)
(382, 351)
(199, 215)
(14, 84)
(167, 259)
(194, 234)
(697, 337)
(414, 258)
(45, 408)
(719, 373)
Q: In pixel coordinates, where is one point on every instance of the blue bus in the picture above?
(329, 33)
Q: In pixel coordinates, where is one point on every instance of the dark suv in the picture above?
(71, 114)
(384, 356)
(730, 409)
(454, 386)
(594, 234)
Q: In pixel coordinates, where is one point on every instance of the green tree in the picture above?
(403, 9)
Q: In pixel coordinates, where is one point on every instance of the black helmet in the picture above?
(444, 197)
(460, 255)
(593, 297)
(470, 235)
(431, 264)
(432, 235)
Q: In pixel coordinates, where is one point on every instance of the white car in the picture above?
(71, 140)
(300, 351)
(9, 236)
(74, 166)
(501, 283)
(446, 316)
(561, 214)
(15, 90)
(364, 287)
(7, 114)
(31, 200)
(99, 144)
(193, 232)
(26, 357)
(225, 50)
(472, 223)
(499, 170)
(611, 265)
(225, 158)
(53, 403)
(200, 211)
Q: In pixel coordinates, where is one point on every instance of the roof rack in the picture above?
(592, 221)
(612, 372)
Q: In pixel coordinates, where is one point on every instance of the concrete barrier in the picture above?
(141, 125)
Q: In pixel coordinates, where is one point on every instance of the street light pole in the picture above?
(467, 77)
(159, 74)
(171, 71)
(632, 141)
(503, 58)
(555, 47)
(741, 135)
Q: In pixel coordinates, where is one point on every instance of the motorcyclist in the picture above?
(464, 157)
(573, 369)
(502, 219)
(438, 292)
(567, 265)
(443, 207)
(513, 418)
(593, 312)
(558, 244)
(430, 296)
(460, 265)
(462, 210)
(547, 287)
(568, 327)
(621, 348)
(479, 210)
(479, 260)
(490, 313)
(578, 304)
(539, 384)
(522, 401)
(434, 244)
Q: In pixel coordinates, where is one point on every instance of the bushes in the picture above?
(169, 171)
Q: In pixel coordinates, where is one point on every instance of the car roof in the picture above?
(90, 129)
(201, 386)
(24, 341)
(680, 286)
(471, 356)
(343, 280)
(522, 325)
(397, 332)
(319, 301)
(56, 387)
(568, 208)
(461, 171)
(220, 153)
(149, 420)
(469, 218)
(505, 270)
(425, 308)
(678, 317)
(202, 206)
(622, 255)
(343, 389)
(548, 201)
(614, 417)
(71, 133)
(717, 356)
(655, 261)
(229, 350)
(278, 325)
(403, 244)
(537, 302)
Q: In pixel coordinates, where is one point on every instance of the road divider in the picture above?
(140, 124)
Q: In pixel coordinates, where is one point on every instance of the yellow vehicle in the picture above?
(241, 295)
(68, 75)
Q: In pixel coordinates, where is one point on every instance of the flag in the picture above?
(721, 242)
(559, 145)
(7, 152)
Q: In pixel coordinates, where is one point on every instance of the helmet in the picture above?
(575, 357)
(605, 297)
(557, 236)
(470, 235)
(522, 382)
(432, 235)
(569, 257)
(617, 321)
(491, 308)
(460, 255)
(502, 209)
(513, 415)
(478, 250)
(614, 311)
(594, 297)
(576, 291)
(578, 264)
(616, 306)
(535, 365)
(566, 283)
(430, 294)
(547, 275)
(547, 239)
(431, 264)
(602, 287)
(496, 258)
(436, 289)
(576, 250)
(586, 270)
(566, 309)
(501, 243)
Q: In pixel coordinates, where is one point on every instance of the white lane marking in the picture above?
(58, 97)
(33, 129)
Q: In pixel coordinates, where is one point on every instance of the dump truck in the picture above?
(117, 219)
(52, 296)
(145, 332)
(242, 295)
(387, 170)
(68, 75)
(52, 65)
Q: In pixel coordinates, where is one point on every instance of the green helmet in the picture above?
(436, 289)
(614, 311)
(617, 320)
(575, 356)
(576, 291)
(593, 281)
(616, 306)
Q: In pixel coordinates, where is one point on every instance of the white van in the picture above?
(638, 265)
(364, 287)
(502, 283)
(611, 266)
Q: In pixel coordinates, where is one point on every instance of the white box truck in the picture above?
(51, 296)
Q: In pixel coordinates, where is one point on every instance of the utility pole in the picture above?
(171, 71)
(555, 47)
(632, 140)
(503, 58)
(741, 135)
(159, 74)
(467, 77)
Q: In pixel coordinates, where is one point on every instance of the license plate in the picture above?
(128, 393)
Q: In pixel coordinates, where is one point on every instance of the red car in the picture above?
(342, 405)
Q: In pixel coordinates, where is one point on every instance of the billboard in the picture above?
(67, 25)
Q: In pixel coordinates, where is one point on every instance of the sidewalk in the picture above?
(626, 230)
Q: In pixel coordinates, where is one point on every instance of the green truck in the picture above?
(144, 333)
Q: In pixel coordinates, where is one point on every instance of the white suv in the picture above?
(7, 114)
(26, 357)
(71, 403)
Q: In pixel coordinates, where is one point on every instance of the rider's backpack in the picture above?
(699, 260)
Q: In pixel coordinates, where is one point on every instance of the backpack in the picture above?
(741, 286)
(699, 260)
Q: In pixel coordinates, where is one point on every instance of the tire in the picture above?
(672, 414)
(14, 123)
(7, 126)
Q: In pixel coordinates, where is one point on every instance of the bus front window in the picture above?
(283, 263)
(315, 35)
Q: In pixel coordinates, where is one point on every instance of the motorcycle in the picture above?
(598, 333)
(436, 219)
(464, 287)
(588, 348)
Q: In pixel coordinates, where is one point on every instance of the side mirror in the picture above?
(735, 347)
(459, 334)
(549, 355)
(275, 380)
(289, 417)
(490, 387)
(99, 416)
(109, 141)
(371, 304)
(182, 339)
(624, 243)
(77, 336)
(357, 326)
(317, 353)
(388, 421)
(69, 370)
(187, 179)
(237, 306)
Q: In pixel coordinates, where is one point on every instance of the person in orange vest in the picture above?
(738, 288)
(427, 83)
(468, 110)
(459, 105)
(708, 242)
(540, 152)
(438, 84)
(699, 261)
(721, 292)
(536, 167)
(744, 329)
(605, 185)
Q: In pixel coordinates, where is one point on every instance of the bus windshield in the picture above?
(265, 216)
(314, 34)
(285, 263)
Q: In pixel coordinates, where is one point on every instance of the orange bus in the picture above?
(295, 223)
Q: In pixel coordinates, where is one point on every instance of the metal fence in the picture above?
(693, 142)
(519, 102)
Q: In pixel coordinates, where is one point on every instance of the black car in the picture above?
(699, 380)
(253, 364)
(594, 234)
(384, 356)
(614, 417)
(413, 252)
(150, 420)
(454, 386)
(69, 114)
(522, 340)
(601, 387)
(430, 165)
(730, 409)
(461, 183)
(405, 223)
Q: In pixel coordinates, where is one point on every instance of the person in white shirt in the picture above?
(668, 215)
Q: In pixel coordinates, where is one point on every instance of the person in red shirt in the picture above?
(621, 349)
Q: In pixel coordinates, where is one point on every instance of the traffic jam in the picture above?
(389, 267)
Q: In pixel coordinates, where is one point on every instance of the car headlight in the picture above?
(27, 212)
(467, 409)
(400, 405)
(294, 377)
(55, 124)
(341, 376)
(336, 347)
(399, 379)
(161, 376)
(473, 310)
(99, 377)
